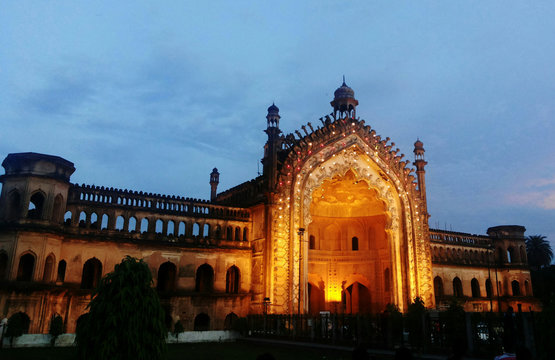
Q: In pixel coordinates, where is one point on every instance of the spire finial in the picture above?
(344, 81)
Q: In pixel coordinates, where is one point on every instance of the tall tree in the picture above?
(539, 251)
(126, 320)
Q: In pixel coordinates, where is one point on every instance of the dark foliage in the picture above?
(126, 320)
(416, 320)
(18, 324)
(56, 328)
(539, 251)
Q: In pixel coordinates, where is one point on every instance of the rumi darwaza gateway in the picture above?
(337, 222)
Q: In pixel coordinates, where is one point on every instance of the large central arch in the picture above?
(362, 158)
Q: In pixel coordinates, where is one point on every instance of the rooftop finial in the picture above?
(344, 80)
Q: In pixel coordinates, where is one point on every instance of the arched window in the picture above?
(92, 271)
(202, 322)
(218, 232)
(230, 320)
(119, 222)
(245, 234)
(159, 226)
(475, 286)
(196, 229)
(61, 271)
(515, 287)
(166, 277)
(94, 221)
(311, 242)
(510, 255)
(171, 227)
(181, 229)
(204, 280)
(67, 217)
(132, 226)
(237, 234)
(229, 235)
(26, 267)
(82, 219)
(36, 204)
(58, 211)
(104, 223)
(354, 243)
(3, 265)
(438, 287)
(144, 225)
(386, 279)
(14, 203)
(489, 288)
(526, 288)
(206, 230)
(457, 287)
(232, 280)
(48, 268)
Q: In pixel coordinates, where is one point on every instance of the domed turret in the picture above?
(343, 92)
(344, 102)
(273, 116)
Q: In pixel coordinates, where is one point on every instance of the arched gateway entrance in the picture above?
(364, 244)
(349, 243)
(348, 224)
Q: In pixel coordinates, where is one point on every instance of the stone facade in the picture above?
(337, 222)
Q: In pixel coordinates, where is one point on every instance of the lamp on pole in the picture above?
(301, 233)
(490, 295)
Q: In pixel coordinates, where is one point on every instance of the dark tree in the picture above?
(56, 328)
(538, 251)
(18, 324)
(125, 319)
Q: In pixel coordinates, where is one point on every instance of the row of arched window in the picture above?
(92, 272)
(475, 288)
(164, 227)
(513, 254)
(160, 204)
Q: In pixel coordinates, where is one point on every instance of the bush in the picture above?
(56, 328)
(125, 319)
(18, 324)
(416, 318)
(178, 328)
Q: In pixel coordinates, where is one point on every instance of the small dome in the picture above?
(273, 110)
(344, 92)
(419, 144)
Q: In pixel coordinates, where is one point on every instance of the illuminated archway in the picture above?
(403, 228)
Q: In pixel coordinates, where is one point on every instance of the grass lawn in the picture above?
(204, 351)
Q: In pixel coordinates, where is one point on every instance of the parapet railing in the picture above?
(99, 195)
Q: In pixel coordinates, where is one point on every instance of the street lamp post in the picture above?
(301, 233)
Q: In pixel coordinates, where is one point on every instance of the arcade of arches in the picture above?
(348, 256)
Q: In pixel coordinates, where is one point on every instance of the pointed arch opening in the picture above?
(92, 272)
(36, 205)
(26, 267)
(204, 279)
(167, 274)
(48, 268)
(232, 280)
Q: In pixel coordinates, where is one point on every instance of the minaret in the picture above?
(214, 181)
(272, 146)
(344, 103)
(419, 162)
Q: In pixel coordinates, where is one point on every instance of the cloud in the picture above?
(539, 199)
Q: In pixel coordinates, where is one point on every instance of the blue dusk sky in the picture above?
(150, 96)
